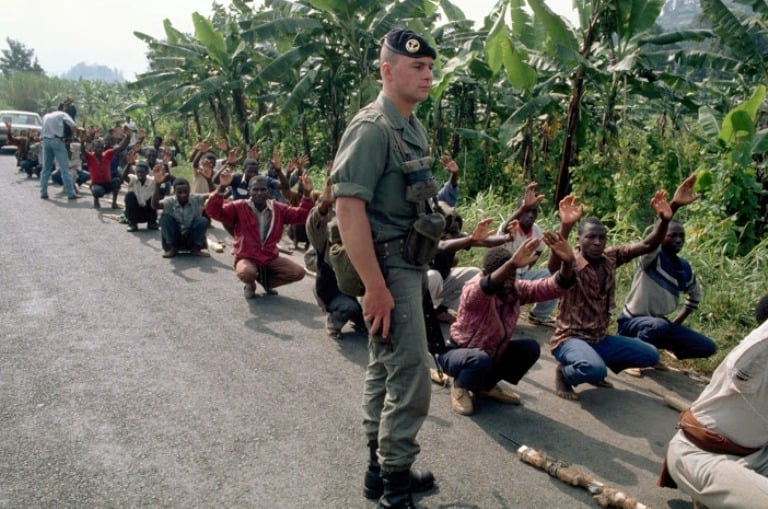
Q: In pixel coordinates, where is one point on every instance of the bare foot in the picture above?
(562, 388)
(605, 384)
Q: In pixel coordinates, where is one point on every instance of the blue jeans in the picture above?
(172, 237)
(344, 308)
(475, 370)
(540, 309)
(584, 362)
(82, 177)
(99, 190)
(663, 334)
(30, 166)
(55, 149)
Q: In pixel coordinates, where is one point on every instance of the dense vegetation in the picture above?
(610, 111)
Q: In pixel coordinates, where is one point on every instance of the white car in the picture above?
(22, 122)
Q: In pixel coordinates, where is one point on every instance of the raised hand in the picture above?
(225, 178)
(558, 245)
(223, 145)
(292, 165)
(254, 152)
(530, 198)
(233, 156)
(277, 160)
(526, 254)
(449, 164)
(302, 161)
(159, 174)
(206, 171)
(327, 196)
(202, 146)
(661, 206)
(570, 210)
(482, 230)
(685, 193)
(306, 184)
(512, 228)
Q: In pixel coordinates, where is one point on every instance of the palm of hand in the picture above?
(570, 211)
(159, 175)
(660, 205)
(225, 178)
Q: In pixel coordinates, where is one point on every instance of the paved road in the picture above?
(128, 380)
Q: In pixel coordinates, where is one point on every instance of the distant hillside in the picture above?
(93, 73)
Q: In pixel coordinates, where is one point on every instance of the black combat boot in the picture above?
(373, 486)
(397, 491)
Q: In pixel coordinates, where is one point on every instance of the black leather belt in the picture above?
(389, 247)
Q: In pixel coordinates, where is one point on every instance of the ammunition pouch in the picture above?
(347, 278)
(421, 241)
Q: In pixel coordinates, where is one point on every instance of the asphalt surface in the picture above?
(129, 380)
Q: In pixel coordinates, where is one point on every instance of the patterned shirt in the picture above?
(185, 214)
(585, 311)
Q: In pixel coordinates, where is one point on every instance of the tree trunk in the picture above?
(573, 118)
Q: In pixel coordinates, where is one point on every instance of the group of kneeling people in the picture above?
(719, 456)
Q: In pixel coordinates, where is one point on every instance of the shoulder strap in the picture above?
(402, 147)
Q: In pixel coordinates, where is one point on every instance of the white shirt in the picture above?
(142, 192)
(53, 124)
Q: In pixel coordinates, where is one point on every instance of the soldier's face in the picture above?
(411, 78)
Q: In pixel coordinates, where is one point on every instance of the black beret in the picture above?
(406, 42)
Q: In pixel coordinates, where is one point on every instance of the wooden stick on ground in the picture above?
(604, 495)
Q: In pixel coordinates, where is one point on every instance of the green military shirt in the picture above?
(368, 166)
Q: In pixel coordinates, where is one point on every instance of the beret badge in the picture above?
(412, 46)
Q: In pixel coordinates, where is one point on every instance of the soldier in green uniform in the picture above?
(381, 171)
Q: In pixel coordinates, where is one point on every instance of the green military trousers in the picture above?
(397, 386)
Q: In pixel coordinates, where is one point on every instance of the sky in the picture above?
(100, 32)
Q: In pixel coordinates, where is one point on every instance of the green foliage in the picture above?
(27, 91)
(17, 58)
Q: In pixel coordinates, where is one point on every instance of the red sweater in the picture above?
(100, 170)
(247, 236)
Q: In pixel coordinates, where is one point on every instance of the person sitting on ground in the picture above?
(525, 215)
(295, 169)
(183, 224)
(449, 193)
(99, 163)
(580, 344)
(76, 172)
(661, 277)
(488, 313)
(258, 226)
(718, 456)
(26, 159)
(167, 187)
(138, 197)
(202, 182)
(238, 189)
(240, 181)
(339, 308)
(278, 182)
(446, 281)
